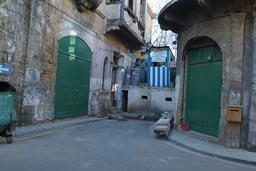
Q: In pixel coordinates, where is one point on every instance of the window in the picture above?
(112, 1)
(130, 4)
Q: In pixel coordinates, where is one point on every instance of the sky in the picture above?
(158, 35)
(157, 5)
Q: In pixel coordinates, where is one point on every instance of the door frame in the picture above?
(197, 42)
(56, 67)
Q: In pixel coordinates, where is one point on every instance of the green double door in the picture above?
(72, 78)
(203, 93)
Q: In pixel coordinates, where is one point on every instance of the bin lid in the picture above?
(6, 87)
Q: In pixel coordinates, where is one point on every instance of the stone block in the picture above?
(28, 110)
(233, 135)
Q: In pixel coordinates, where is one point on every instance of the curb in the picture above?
(49, 126)
(212, 154)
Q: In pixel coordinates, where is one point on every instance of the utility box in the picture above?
(234, 113)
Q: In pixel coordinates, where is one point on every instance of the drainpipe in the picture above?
(149, 63)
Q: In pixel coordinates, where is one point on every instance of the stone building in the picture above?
(67, 57)
(215, 67)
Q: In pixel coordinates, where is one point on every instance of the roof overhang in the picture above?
(173, 15)
(178, 14)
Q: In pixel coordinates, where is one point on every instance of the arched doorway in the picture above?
(203, 86)
(72, 78)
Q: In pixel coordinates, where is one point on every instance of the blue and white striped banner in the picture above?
(159, 77)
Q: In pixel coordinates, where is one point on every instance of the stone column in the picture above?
(235, 76)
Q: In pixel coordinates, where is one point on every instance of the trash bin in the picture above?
(8, 96)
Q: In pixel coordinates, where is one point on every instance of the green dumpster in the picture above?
(7, 111)
(7, 108)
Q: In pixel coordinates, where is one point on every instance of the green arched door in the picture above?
(72, 78)
(203, 93)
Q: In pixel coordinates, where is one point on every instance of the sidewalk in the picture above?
(32, 129)
(211, 149)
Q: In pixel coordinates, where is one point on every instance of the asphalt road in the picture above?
(105, 146)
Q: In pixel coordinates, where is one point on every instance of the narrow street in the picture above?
(105, 146)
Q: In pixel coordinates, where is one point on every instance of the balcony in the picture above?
(125, 25)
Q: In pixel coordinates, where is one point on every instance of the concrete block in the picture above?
(164, 125)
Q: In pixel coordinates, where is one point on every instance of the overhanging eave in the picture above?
(171, 17)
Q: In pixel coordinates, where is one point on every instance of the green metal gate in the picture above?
(72, 78)
(203, 93)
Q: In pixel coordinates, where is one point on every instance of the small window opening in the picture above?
(144, 97)
(168, 99)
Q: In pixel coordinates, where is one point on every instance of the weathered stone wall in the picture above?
(13, 43)
(49, 22)
(228, 33)
(30, 32)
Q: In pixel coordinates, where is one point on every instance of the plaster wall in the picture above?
(113, 11)
(148, 99)
(148, 27)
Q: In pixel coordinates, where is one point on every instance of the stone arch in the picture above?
(195, 40)
(86, 37)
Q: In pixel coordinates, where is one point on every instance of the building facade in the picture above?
(215, 67)
(67, 58)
